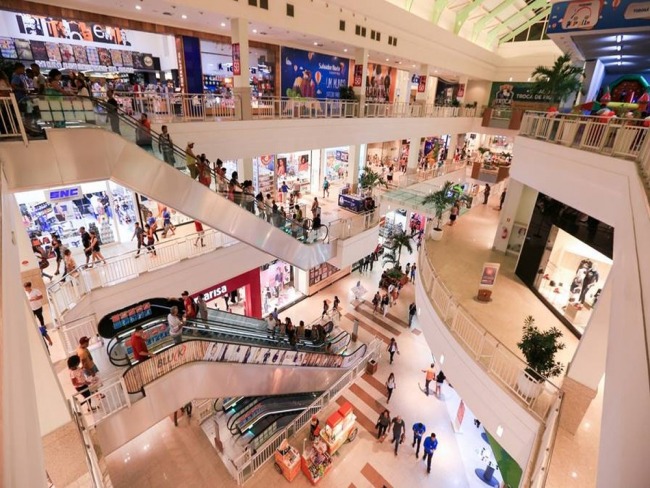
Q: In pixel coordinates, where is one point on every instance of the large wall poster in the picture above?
(312, 75)
(596, 15)
(380, 83)
(508, 94)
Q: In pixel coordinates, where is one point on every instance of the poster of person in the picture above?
(489, 274)
(23, 49)
(282, 166)
(70, 29)
(39, 51)
(80, 54)
(67, 53)
(307, 74)
(104, 57)
(380, 83)
(53, 53)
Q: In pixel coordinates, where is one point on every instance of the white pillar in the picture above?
(361, 58)
(245, 169)
(241, 86)
(432, 85)
(421, 98)
(355, 163)
(518, 207)
(415, 145)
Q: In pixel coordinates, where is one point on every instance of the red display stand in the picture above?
(339, 428)
(316, 462)
(287, 462)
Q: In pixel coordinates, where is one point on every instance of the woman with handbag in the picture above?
(390, 386)
(382, 425)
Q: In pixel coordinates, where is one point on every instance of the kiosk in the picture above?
(287, 460)
(339, 428)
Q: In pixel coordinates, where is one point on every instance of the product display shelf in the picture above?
(316, 462)
(339, 428)
(287, 462)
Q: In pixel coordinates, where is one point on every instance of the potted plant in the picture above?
(441, 201)
(369, 180)
(539, 348)
(394, 254)
(559, 82)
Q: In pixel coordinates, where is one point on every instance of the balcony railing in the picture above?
(11, 124)
(500, 362)
(622, 138)
(106, 400)
(66, 293)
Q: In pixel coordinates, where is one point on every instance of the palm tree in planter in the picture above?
(539, 348)
(370, 179)
(393, 256)
(558, 82)
(441, 201)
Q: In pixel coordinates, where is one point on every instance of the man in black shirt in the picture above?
(113, 116)
(85, 242)
(398, 432)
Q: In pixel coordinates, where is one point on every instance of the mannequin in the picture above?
(591, 278)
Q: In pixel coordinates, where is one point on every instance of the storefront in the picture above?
(103, 206)
(264, 179)
(387, 153)
(278, 286)
(298, 167)
(100, 51)
(240, 294)
(566, 259)
(381, 83)
(336, 163)
(400, 221)
(151, 208)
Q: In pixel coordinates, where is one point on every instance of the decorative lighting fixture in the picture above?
(618, 48)
(387, 59)
(315, 43)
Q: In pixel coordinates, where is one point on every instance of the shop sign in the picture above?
(51, 27)
(342, 156)
(180, 60)
(236, 59)
(505, 94)
(69, 193)
(215, 293)
(489, 274)
(358, 75)
(422, 84)
(171, 358)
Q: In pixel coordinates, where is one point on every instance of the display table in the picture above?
(355, 203)
(339, 428)
(316, 462)
(287, 462)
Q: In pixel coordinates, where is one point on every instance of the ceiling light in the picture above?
(619, 39)
(138, 7)
(223, 24)
(619, 57)
(254, 31)
(620, 63)
(315, 43)
(413, 65)
(499, 431)
(183, 16)
(345, 50)
(618, 48)
(387, 59)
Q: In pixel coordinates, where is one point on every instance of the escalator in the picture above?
(107, 155)
(223, 327)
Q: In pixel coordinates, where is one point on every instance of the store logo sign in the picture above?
(64, 193)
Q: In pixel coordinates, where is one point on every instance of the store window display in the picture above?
(277, 285)
(294, 169)
(264, 174)
(336, 163)
(571, 277)
(151, 208)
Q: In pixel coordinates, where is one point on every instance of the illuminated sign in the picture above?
(215, 293)
(69, 193)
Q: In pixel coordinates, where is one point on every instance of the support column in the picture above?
(241, 86)
(587, 367)
(518, 207)
(414, 154)
(594, 74)
(361, 58)
(421, 97)
(245, 169)
(432, 85)
(356, 163)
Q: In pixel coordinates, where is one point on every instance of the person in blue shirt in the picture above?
(418, 431)
(430, 445)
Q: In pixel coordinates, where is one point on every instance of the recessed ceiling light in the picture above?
(138, 7)
(254, 31)
(223, 24)
(345, 50)
(413, 65)
(315, 43)
(183, 16)
(387, 59)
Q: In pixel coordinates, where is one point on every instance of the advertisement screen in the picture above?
(312, 75)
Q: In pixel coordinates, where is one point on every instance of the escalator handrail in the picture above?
(138, 375)
(266, 408)
(179, 152)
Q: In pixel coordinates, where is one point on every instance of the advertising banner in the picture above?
(312, 75)
(506, 94)
(236, 59)
(54, 28)
(236, 353)
(422, 84)
(596, 15)
(380, 83)
(460, 415)
(489, 274)
(358, 75)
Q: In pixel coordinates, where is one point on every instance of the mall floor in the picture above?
(183, 456)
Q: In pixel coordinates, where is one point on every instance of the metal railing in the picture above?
(540, 469)
(98, 470)
(500, 362)
(403, 180)
(71, 332)
(106, 400)
(347, 227)
(623, 138)
(404, 109)
(303, 108)
(67, 293)
(11, 122)
(247, 464)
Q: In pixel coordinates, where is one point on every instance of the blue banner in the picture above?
(312, 75)
(597, 15)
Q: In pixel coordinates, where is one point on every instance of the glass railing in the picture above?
(71, 112)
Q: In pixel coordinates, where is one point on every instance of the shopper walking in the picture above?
(112, 112)
(150, 239)
(430, 446)
(35, 298)
(70, 263)
(326, 187)
(79, 381)
(198, 226)
(87, 361)
(85, 242)
(95, 249)
(385, 301)
(418, 431)
(440, 379)
(390, 386)
(392, 349)
(57, 247)
(143, 133)
(430, 374)
(376, 300)
(382, 424)
(202, 307)
(486, 194)
(412, 311)
(138, 233)
(175, 325)
(399, 429)
(166, 146)
(453, 213)
(413, 268)
(502, 198)
(167, 222)
(326, 307)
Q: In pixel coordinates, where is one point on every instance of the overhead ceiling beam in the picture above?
(438, 7)
(482, 22)
(494, 33)
(463, 14)
(523, 27)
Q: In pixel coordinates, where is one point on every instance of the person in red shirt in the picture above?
(188, 304)
(139, 345)
(199, 232)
